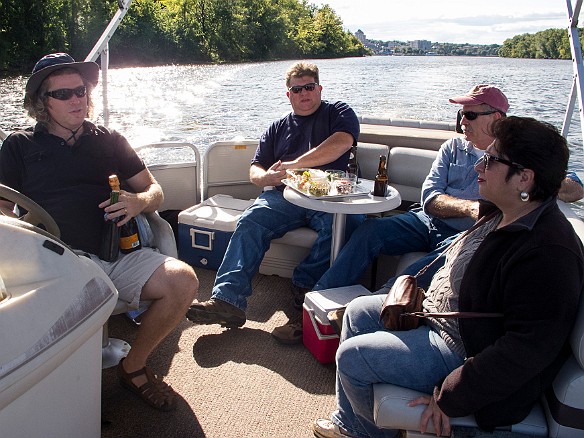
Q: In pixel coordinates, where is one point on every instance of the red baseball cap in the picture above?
(484, 94)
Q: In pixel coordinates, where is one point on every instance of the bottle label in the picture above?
(129, 242)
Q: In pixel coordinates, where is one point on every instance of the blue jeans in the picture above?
(368, 354)
(394, 235)
(270, 217)
(423, 280)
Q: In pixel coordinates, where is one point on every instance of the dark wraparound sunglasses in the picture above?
(472, 115)
(298, 88)
(67, 93)
(487, 158)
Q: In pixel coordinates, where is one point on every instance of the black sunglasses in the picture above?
(67, 93)
(472, 115)
(487, 158)
(298, 88)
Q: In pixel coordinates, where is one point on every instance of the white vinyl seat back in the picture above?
(226, 169)
(407, 169)
(177, 168)
(368, 158)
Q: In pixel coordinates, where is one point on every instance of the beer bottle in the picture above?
(381, 179)
(353, 165)
(110, 237)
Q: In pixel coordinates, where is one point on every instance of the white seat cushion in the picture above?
(390, 411)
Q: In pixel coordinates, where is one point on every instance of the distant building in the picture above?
(361, 36)
(421, 45)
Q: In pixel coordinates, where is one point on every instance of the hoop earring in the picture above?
(524, 196)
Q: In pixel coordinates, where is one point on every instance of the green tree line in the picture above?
(547, 44)
(173, 31)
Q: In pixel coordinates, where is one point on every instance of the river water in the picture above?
(206, 103)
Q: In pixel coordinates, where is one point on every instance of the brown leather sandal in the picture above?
(154, 392)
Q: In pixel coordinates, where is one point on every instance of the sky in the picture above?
(449, 21)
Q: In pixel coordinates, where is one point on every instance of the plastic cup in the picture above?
(345, 185)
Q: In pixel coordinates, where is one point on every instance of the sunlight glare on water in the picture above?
(202, 104)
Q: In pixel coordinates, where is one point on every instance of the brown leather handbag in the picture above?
(403, 300)
(402, 307)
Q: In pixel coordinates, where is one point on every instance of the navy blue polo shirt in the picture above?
(69, 181)
(293, 135)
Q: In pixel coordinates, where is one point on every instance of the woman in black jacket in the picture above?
(524, 261)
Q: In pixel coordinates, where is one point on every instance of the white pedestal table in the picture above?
(340, 207)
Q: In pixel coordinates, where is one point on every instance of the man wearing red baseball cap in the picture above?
(484, 95)
(449, 198)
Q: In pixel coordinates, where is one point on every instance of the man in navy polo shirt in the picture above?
(316, 134)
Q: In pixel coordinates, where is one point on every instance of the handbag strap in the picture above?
(453, 315)
(477, 224)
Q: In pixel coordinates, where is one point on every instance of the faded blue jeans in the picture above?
(270, 217)
(393, 235)
(368, 354)
(424, 280)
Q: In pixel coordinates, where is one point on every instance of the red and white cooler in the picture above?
(317, 333)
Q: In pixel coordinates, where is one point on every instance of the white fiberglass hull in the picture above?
(50, 336)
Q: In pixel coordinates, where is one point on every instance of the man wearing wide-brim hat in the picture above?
(63, 164)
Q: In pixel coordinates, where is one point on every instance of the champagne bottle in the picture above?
(353, 165)
(128, 235)
(381, 179)
(110, 237)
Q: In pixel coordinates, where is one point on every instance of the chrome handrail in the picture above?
(101, 50)
(577, 65)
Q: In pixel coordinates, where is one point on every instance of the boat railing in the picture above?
(101, 50)
(578, 67)
(406, 123)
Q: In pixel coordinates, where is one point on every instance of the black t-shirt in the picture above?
(69, 181)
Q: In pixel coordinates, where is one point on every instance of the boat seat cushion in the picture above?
(304, 237)
(390, 411)
(407, 169)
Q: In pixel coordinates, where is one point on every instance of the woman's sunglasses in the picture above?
(472, 115)
(487, 158)
(67, 93)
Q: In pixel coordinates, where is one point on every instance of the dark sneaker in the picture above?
(298, 295)
(216, 312)
(289, 333)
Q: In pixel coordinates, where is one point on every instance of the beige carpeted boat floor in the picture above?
(232, 383)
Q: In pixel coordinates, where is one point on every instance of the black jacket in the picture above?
(532, 271)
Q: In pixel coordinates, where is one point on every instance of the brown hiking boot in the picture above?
(291, 332)
(216, 312)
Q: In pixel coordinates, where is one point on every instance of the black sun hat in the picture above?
(56, 61)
